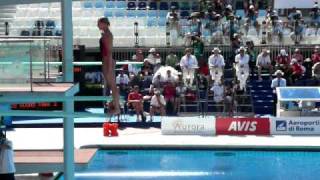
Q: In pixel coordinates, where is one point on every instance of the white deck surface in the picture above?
(52, 138)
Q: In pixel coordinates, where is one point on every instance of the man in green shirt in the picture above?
(198, 47)
(172, 59)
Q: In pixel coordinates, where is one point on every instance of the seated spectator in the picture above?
(134, 68)
(122, 81)
(195, 24)
(216, 65)
(264, 62)
(283, 61)
(180, 96)
(316, 70)
(298, 56)
(154, 59)
(218, 92)
(147, 67)
(158, 105)
(169, 77)
(307, 65)
(231, 27)
(315, 57)
(297, 70)
(135, 101)
(135, 80)
(242, 67)
(203, 68)
(172, 59)
(158, 81)
(188, 64)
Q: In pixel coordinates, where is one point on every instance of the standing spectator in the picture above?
(315, 57)
(228, 101)
(252, 56)
(169, 77)
(172, 59)
(216, 65)
(195, 24)
(188, 64)
(277, 82)
(264, 61)
(169, 92)
(180, 97)
(173, 25)
(298, 56)
(135, 101)
(158, 81)
(242, 67)
(252, 15)
(198, 47)
(158, 104)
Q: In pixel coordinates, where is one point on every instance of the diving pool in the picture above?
(202, 165)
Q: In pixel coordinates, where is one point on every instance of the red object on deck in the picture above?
(110, 129)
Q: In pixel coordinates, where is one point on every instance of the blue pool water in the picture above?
(202, 165)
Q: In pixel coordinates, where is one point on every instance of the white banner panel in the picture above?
(295, 126)
(180, 126)
(285, 4)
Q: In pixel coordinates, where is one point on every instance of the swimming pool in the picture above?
(202, 165)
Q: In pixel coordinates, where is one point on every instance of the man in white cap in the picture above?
(283, 60)
(188, 64)
(242, 67)
(277, 82)
(216, 65)
(264, 62)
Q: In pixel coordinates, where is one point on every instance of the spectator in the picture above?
(154, 59)
(158, 105)
(169, 77)
(307, 64)
(180, 97)
(297, 70)
(264, 61)
(139, 55)
(195, 24)
(216, 65)
(203, 68)
(135, 101)
(242, 67)
(283, 63)
(135, 80)
(298, 56)
(169, 92)
(188, 64)
(158, 81)
(252, 15)
(198, 47)
(315, 57)
(218, 93)
(134, 68)
(277, 82)
(277, 29)
(252, 56)
(172, 59)
(147, 67)
(231, 27)
(173, 25)
(315, 14)
(298, 29)
(228, 101)
(122, 81)
(316, 70)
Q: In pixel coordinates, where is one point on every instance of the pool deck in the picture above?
(52, 138)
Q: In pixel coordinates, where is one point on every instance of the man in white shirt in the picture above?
(134, 68)
(218, 92)
(158, 104)
(154, 59)
(277, 82)
(216, 65)
(122, 78)
(242, 67)
(188, 64)
(264, 61)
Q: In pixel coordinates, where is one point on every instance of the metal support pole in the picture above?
(68, 106)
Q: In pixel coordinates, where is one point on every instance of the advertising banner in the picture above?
(180, 126)
(295, 125)
(242, 126)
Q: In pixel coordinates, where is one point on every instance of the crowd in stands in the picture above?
(169, 83)
(218, 19)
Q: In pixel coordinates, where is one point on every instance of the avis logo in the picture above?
(243, 126)
(281, 125)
